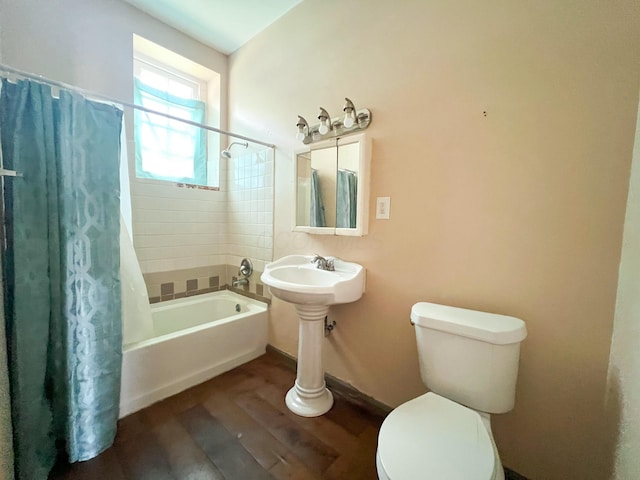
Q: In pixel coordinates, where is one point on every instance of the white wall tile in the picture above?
(177, 228)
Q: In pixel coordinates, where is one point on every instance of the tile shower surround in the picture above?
(177, 227)
(163, 286)
(190, 241)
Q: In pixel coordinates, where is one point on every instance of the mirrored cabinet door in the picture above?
(332, 187)
(316, 190)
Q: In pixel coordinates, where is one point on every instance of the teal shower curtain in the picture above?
(62, 286)
(346, 199)
(317, 218)
(6, 437)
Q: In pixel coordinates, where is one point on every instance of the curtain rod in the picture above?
(88, 93)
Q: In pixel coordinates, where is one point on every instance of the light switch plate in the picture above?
(383, 207)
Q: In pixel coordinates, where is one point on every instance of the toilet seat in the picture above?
(431, 437)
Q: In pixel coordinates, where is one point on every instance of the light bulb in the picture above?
(348, 119)
(323, 128)
(302, 124)
(349, 113)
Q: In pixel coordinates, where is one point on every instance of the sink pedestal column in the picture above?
(309, 397)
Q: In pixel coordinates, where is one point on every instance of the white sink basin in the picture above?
(295, 279)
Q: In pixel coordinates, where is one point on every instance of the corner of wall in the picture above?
(623, 379)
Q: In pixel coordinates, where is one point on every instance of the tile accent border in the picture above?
(164, 286)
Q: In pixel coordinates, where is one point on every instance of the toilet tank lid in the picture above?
(487, 327)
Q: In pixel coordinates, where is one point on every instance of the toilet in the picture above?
(469, 362)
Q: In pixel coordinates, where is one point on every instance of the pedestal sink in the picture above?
(297, 280)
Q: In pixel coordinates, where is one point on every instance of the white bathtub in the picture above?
(196, 338)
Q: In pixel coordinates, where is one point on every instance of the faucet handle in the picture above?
(323, 263)
(246, 268)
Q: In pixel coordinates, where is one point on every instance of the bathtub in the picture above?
(195, 339)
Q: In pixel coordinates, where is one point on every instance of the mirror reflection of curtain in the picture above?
(347, 199)
(317, 205)
(62, 283)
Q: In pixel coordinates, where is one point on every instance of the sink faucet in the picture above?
(323, 263)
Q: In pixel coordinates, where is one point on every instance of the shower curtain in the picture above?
(317, 218)
(61, 273)
(6, 441)
(346, 199)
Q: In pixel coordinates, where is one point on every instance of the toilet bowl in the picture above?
(431, 437)
(469, 360)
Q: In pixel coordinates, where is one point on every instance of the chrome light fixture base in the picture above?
(353, 121)
(363, 120)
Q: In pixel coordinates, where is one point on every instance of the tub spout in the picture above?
(239, 282)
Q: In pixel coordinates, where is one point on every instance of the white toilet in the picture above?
(469, 361)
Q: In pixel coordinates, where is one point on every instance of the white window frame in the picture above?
(198, 88)
(141, 61)
(211, 93)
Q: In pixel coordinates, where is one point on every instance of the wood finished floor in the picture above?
(237, 427)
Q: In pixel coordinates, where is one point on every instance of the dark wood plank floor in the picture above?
(237, 427)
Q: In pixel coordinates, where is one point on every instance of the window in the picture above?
(169, 149)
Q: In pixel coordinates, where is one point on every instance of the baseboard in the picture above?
(364, 401)
(511, 475)
(339, 387)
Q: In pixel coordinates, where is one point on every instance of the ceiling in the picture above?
(225, 25)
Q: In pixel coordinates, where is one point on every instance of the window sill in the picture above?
(151, 181)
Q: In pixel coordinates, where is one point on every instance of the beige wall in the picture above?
(517, 211)
(624, 369)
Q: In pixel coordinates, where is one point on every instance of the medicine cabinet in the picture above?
(332, 187)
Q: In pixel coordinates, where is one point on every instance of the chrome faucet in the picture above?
(323, 263)
(246, 269)
(240, 281)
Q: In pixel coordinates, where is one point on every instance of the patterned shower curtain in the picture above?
(62, 285)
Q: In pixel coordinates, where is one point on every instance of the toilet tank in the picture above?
(467, 356)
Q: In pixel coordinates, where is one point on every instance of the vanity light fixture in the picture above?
(303, 128)
(325, 122)
(352, 122)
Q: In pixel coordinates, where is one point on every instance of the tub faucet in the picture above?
(240, 281)
(246, 269)
(323, 263)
